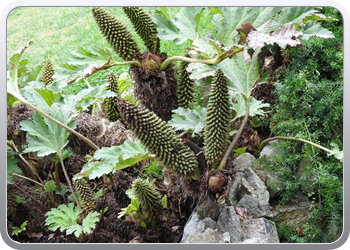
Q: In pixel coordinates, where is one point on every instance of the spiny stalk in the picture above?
(144, 27)
(117, 35)
(112, 112)
(217, 120)
(47, 72)
(185, 87)
(86, 195)
(159, 139)
(148, 196)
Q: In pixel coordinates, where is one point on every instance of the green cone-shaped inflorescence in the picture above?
(47, 72)
(86, 195)
(185, 87)
(112, 112)
(159, 139)
(148, 197)
(217, 119)
(117, 35)
(144, 27)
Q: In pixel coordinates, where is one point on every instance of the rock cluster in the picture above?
(225, 224)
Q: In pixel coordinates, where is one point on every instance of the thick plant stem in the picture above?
(68, 180)
(228, 151)
(214, 61)
(61, 124)
(262, 144)
(133, 63)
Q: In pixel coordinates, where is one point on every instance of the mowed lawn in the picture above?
(56, 31)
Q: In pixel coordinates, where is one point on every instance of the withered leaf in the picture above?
(243, 31)
(241, 212)
(286, 35)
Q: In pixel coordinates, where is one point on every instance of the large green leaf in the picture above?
(242, 71)
(47, 95)
(12, 87)
(83, 63)
(229, 25)
(286, 35)
(12, 168)
(183, 27)
(62, 217)
(97, 169)
(313, 28)
(88, 224)
(126, 150)
(288, 15)
(85, 97)
(43, 135)
(15, 70)
(188, 119)
(115, 158)
(15, 65)
(255, 106)
(231, 18)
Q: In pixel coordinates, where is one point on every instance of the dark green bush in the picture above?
(309, 105)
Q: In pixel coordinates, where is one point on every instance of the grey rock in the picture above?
(294, 214)
(208, 209)
(208, 236)
(224, 238)
(229, 222)
(269, 149)
(195, 226)
(244, 161)
(247, 182)
(260, 230)
(216, 223)
(254, 208)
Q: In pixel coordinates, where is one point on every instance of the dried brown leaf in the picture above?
(286, 35)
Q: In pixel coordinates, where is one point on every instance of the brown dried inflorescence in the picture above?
(101, 132)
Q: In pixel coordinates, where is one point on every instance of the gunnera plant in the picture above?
(155, 89)
(111, 109)
(217, 120)
(117, 35)
(86, 195)
(186, 86)
(148, 197)
(144, 27)
(159, 139)
(47, 72)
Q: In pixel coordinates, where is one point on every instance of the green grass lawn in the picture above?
(56, 31)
